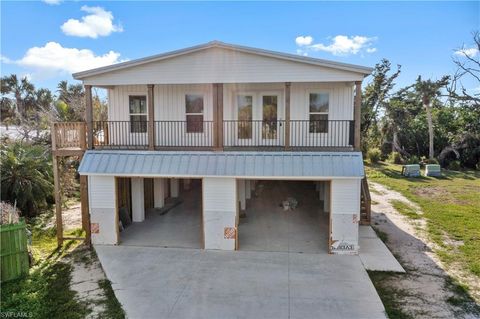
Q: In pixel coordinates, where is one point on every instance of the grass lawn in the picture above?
(451, 206)
(45, 292)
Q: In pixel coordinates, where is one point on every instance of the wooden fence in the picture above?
(13, 251)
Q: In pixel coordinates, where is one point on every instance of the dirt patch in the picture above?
(71, 218)
(426, 283)
(431, 192)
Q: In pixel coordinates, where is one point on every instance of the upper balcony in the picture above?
(289, 135)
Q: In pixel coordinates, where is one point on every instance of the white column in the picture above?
(321, 190)
(326, 196)
(138, 200)
(241, 193)
(248, 189)
(219, 213)
(174, 187)
(253, 183)
(345, 216)
(186, 184)
(159, 192)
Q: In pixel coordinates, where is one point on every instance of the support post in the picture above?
(357, 114)
(89, 115)
(174, 187)
(85, 209)
(326, 196)
(138, 199)
(217, 93)
(248, 189)
(58, 202)
(186, 184)
(159, 192)
(241, 194)
(151, 118)
(287, 115)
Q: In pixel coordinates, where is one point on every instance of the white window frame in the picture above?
(309, 92)
(202, 94)
(134, 114)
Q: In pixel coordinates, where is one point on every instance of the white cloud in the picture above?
(470, 52)
(98, 23)
(53, 60)
(53, 2)
(4, 59)
(340, 45)
(303, 40)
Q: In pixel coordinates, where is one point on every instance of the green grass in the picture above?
(113, 308)
(405, 209)
(450, 205)
(390, 296)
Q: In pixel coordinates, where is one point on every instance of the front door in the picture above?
(260, 119)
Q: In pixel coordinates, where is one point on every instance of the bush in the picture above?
(26, 176)
(454, 166)
(374, 155)
(395, 158)
(413, 160)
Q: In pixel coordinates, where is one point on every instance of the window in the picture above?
(318, 111)
(270, 116)
(138, 113)
(194, 113)
(245, 105)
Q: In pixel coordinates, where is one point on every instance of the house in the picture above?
(225, 118)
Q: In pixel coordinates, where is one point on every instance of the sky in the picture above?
(49, 40)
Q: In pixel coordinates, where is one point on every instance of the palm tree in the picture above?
(22, 91)
(26, 176)
(428, 91)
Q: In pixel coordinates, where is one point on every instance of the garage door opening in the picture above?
(267, 225)
(178, 223)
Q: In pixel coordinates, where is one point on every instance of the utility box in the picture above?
(432, 170)
(412, 170)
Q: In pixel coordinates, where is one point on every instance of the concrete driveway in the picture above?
(154, 282)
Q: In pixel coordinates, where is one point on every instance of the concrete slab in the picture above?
(268, 227)
(155, 282)
(180, 227)
(374, 254)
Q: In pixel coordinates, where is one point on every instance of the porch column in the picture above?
(217, 92)
(241, 193)
(138, 200)
(186, 184)
(174, 187)
(345, 216)
(89, 115)
(357, 113)
(287, 115)
(159, 192)
(219, 213)
(151, 118)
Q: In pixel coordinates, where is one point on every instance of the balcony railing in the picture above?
(231, 134)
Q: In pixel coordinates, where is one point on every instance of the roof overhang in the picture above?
(216, 44)
(245, 165)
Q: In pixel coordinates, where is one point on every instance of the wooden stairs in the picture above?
(365, 203)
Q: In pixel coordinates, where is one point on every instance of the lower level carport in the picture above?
(268, 224)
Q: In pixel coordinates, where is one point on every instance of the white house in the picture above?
(228, 117)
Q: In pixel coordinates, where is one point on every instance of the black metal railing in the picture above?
(184, 134)
(120, 134)
(303, 134)
(322, 133)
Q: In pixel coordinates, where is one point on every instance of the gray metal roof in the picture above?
(273, 165)
(217, 44)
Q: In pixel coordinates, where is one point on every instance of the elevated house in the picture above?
(218, 119)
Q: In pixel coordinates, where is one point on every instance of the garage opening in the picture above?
(172, 212)
(283, 216)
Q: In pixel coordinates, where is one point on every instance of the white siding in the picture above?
(216, 65)
(345, 216)
(169, 105)
(101, 194)
(219, 212)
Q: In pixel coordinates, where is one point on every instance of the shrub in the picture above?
(413, 160)
(395, 158)
(26, 176)
(454, 166)
(374, 155)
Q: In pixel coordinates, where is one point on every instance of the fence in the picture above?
(13, 250)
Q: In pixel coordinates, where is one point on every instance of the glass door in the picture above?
(272, 124)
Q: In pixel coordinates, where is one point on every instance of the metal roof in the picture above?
(191, 164)
(217, 44)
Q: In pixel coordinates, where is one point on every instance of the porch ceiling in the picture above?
(255, 165)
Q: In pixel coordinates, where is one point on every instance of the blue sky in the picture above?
(50, 41)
